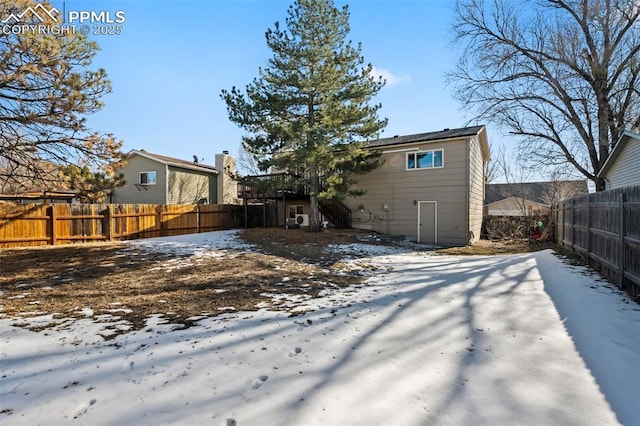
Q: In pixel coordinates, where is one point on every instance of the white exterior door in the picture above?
(428, 222)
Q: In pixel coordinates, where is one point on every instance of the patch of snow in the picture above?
(360, 250)
(19, 296)
(520, 339)
(87, 312)
(120, 310)
(212, 244)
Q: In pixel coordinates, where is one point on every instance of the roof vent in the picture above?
(395, 136)
(446, 129)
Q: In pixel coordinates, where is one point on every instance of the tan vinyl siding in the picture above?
(395, 186)
(476, 189)
(626, 169)
(148, 194)
(188, 186)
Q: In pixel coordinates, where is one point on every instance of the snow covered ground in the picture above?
(428, 339)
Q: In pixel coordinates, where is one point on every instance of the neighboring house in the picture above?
(24, 187)
(516, 206)
(429, 188)
(39, 197)
(529, 198)
(622, 167)
(157, 179)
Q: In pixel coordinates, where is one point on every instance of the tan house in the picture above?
(622, 167)
(429, 188)
(158, 179)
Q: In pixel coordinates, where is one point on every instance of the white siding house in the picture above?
(622, 167)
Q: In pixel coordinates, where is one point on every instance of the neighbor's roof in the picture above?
(517, 201)
(627, 137)
(176, 162)
(37, 195)
(437, 136)
(540, 192)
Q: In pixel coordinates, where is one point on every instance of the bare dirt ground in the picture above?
(65, 281)
(490, 248)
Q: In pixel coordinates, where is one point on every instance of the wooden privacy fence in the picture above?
(604, 228)
(42, 224)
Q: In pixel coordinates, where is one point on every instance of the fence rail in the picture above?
(604, 228)
(52, 224)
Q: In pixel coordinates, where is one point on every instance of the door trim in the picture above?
(435, 203)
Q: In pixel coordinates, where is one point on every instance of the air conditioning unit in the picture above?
(302, 219)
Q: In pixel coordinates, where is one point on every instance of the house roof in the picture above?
(516, 201)
(36, 195)
(176, 162)
(435, 137)
(539, 192)
(627, 137)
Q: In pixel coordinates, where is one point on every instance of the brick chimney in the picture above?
(227, 185)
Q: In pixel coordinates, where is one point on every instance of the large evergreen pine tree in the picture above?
(308, 111)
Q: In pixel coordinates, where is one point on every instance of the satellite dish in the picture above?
(195, 159)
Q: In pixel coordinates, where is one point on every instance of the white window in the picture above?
(147, 178)
(295, 210)
(425, 159)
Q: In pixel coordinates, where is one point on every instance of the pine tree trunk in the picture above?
(314, 208)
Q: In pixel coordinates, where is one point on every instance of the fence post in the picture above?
(159, 220)
(573, 223)
(52, 222)
(588, 228)
(107, 222)
(198, 224)
(621, 261)
(562, 215)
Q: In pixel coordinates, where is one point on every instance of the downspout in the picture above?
(468, 197)
(166, 184)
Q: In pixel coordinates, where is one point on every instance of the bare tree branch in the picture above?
(564, 77)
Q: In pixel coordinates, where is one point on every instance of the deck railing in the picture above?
(283, 185)
(272, 185)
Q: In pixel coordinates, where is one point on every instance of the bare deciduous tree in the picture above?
(564, 75)
(248, 161)
(515, 174)
(521, 202)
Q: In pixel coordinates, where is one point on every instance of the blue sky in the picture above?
(173, 59)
